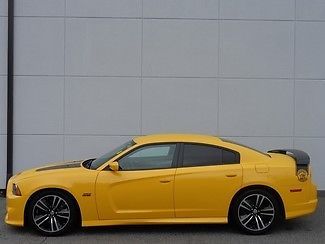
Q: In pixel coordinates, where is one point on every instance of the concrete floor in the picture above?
(309, 229)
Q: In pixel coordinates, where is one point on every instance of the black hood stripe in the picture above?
(61, 166)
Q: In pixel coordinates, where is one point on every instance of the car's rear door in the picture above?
(206, 180)
(142, 188)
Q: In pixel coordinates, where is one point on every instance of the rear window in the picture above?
(242, 145)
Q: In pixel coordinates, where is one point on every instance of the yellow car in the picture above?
(166, 179)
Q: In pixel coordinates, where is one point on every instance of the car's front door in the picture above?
(206, 181)
(142, 188)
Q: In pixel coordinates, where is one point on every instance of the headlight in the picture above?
(16, 190)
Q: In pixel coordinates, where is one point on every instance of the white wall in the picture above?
(90, 74)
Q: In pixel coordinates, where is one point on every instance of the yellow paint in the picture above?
(167, 196)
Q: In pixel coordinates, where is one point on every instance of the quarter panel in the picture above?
(297, 197)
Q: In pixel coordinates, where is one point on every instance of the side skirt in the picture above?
(222, 220)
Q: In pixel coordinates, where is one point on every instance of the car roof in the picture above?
(156, 138)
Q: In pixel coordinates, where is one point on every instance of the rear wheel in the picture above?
(51, 213)
(255, 211)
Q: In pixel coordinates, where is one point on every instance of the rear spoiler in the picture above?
(302, 158)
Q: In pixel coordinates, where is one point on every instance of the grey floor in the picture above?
(309, 229)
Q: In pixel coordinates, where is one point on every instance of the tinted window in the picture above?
(203, 155)
(229, 157)
(149, 157)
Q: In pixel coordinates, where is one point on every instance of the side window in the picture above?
(201, 155)
(230, 157)
(204, 155)
(149, 157)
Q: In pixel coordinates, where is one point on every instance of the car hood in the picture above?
(68, 165)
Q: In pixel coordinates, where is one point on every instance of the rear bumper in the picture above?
(302, 209)
(305, 207)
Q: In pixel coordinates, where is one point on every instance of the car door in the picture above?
(206, 180)
(142, 188)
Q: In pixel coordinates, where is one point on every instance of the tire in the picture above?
(255, 211)
(51, 213)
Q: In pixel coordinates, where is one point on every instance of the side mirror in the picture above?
(114, 166)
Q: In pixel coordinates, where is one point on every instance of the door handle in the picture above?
(164, 181)
(231, 175)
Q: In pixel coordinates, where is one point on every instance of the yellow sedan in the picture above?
(166, 179)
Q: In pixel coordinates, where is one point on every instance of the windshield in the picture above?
(103, 159)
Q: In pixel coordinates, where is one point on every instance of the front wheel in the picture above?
(255, 211)
(51, 213)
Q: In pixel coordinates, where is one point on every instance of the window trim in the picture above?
(174, 161)
(181, 154)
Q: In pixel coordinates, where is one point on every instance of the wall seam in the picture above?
(294, 76)
(64, 81)
(103, 134)
(218, 71)
(165, 18)
(176, 77)
(141, 72)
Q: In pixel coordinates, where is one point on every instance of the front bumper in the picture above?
(15, 206)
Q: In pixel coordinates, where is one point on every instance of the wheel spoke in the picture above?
(55, 205)
(267, 214)
(55, 223)
(40, 218)
(247, 204)
(256, 201)
(41, 205)
(43, 221)
(267, 209)
(53, 201)
(64, 211)
(52, 226)
(248, 220)
(257, 224)
(247, 207)
(259, 204)
(245, 217)
(261, 221)
(62, 216)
